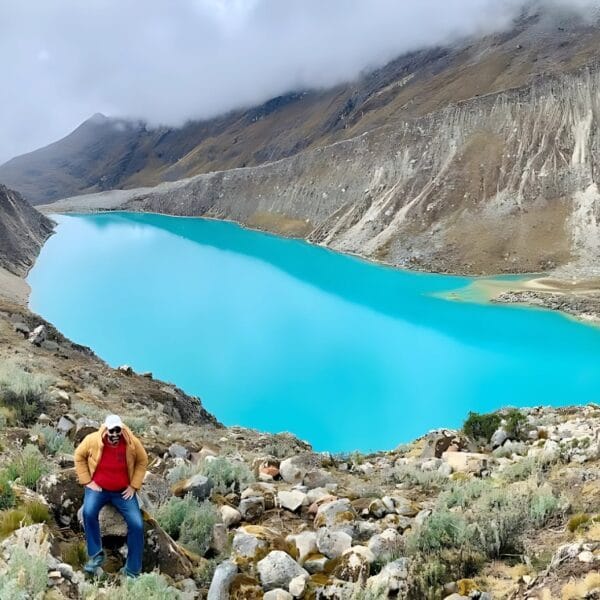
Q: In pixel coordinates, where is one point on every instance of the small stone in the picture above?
(230, 515)
(252, 508)
(277, 594)
(586, 557)
(297, 585)
(292, 500)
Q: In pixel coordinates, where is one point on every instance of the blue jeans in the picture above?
(130, 509)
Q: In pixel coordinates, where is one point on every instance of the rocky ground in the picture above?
(508, 511)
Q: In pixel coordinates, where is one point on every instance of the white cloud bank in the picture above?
(170, 61)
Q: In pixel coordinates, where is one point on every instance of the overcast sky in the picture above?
(167, 61)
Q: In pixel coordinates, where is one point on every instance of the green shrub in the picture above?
(463, 494)
(183, 471)
(53, 441)
(28, 467)
(7, 495)
(515, 424)
(189, 521)
(480, 427)
(25, 578)
(442, 530)
(415, 476)
(227, 475)
(197, 528)
(23, 394)
(148, 586)
(543, 505)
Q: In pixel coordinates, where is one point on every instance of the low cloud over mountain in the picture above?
(171, 62)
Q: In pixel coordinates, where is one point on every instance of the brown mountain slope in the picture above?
(107, 153)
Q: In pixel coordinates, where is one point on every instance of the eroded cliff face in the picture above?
(23, 230)
(506, 182)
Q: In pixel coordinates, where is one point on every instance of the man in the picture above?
(111, 464)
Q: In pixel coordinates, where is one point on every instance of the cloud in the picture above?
(167, 62)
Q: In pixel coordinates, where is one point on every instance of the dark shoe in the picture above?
(94, 563)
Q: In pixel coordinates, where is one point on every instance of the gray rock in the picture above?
(337, 514)
(222, 579)
(290, 472)
(333, 543)
(498, 437)
(199, 486)
(50, 346)
(386, 543)
(305, 542)
(65, 424)
(246, 545)
(277, 569)
(292, 500)
(178, 451)
(22, 328)
(278, 594)
(38, 335)
(230, 515)
(252, 508)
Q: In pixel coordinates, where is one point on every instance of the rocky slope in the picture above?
(23, 230)
(509, 512)
(112, 153)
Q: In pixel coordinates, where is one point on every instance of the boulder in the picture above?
(333, 543)
(337, 514)
(277, 569)
(305, 543)
(292, 500)
(318, 478)
(353, 566)
(498, 437)
(230, 515)
(387, 543)
(252, 508)
(66, 425)
(83, 427)
(22, 328)
(199, 486)
(64, 495)
(297, 585)
(266, 490)
(162, 553)
(315, 563)
(293, 470)
(400, 505)
(252, 542)
(38, 335)
(224, 574)
(391, 580)
(178, 451)
(437, 442)
(466, 462)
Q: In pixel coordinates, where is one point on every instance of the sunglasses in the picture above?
(115, 430)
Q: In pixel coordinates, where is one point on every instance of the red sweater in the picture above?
(111, 473)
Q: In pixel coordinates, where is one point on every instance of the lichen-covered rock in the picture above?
(353, 566)
(386, 543)
(305, 543)
(277, 569)
(252, 508)
(337, 514)
(64, 494)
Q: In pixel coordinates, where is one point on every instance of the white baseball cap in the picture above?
(113, 421)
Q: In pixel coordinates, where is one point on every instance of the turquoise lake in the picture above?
(279, 335)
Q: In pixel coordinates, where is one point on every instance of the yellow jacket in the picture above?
(89, 452)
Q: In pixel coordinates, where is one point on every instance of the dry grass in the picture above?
(578, 590)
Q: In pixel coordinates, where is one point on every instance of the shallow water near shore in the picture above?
(279, 335)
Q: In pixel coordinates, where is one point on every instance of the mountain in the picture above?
(23, 230)
(503, 181)
(106, 153)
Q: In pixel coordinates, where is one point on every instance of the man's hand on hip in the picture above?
(128, 493)
(94, 486)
